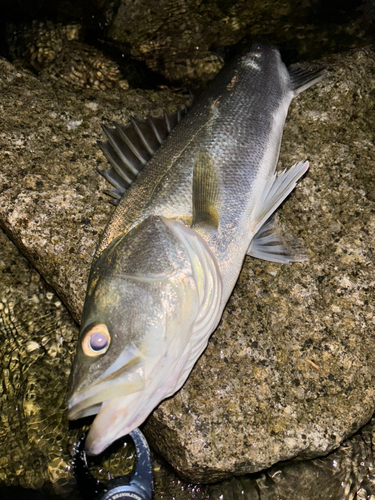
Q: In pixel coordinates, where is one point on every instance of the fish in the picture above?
(195, 192)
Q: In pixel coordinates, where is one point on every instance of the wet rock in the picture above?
(180, 39)
(37, 343)
(50, 190)
(56, 52)
(289, 371)
(344, 474)
(37, 443)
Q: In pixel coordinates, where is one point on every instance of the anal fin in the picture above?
(301, 79)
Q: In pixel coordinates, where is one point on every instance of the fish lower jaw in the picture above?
(75, 413)
(83, 404)
(114, 421)
(95, 446)
(119, 416)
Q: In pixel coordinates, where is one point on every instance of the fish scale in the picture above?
(171, 254)
(231, 125)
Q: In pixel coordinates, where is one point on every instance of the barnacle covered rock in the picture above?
(56, 52)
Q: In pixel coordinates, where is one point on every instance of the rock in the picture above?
(51, 196)
(180, 39)
(289, 372)
(344, 474)
(56, 52)
(37, 444)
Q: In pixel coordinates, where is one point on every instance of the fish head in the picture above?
(143, 301)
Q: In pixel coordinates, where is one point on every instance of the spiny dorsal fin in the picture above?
(206, 191)
(130, 147)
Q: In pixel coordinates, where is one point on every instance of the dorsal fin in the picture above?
(130, 147)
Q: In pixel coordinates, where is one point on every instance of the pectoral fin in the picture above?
(271, 244)
(206, 191)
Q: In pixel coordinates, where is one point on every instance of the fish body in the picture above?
(172, 252)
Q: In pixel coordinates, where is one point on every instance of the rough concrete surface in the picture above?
(289, 372)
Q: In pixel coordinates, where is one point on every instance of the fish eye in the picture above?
(96, 340)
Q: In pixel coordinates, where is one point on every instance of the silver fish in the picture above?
(172, 252)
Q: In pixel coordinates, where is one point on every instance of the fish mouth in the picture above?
(84, 405)
(115, 419)
(125, 376)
